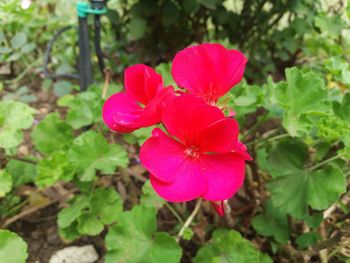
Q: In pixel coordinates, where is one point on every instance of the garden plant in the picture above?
(218, 131)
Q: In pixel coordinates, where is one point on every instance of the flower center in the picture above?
(192, 152)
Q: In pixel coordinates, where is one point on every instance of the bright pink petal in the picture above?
(123, 114)
(119, 110)
(241, 149)
(162, 156)
(219, 207)
(188, 184)
(208, 70)
(142, 83)
(219, 137)
(185, 115)
(224, 174)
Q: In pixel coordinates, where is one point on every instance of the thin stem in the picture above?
(318, 165)
(174, 212)
(189, 219)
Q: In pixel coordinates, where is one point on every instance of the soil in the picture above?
(40, 232)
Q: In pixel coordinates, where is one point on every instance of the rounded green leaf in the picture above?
(52, 134)
(227, 246)
(14, 116)
(90, 152)
(12, 247)
(134, 239)
(5, 183)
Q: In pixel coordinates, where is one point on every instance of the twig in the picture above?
(174, 212)
(189, 219)
(31, 210)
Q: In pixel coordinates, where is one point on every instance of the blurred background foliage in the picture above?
(293, 109)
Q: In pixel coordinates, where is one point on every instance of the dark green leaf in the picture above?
(228, 246)
(272, 223)
(22, 172)
(134, 239)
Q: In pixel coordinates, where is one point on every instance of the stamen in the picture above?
(192, 152)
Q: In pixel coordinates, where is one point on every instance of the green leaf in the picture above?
(330, 128)
(28, 47)
(287, 157)
(5, 183)
(52, 134)
(139, 136)
(22, 172)
(87, 214)
(88, 224)
(137, 28)
(14, 116)
(332, 25)
(90, 152)
(62, 88)
(53, 169)
(302, 94)
(149, 197)
(134, 239)
(68, 215)
(272, 223)
(164, 69)
(85, 108)
(106, 205)
(228, 246)
(18, 40)
(308, 239)
(325, 186)
(211, 4)
(12, 247)
(342, 110)
(296, 187)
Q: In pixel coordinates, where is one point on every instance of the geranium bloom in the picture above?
(208, 70)
(198, 157)
(141, 103)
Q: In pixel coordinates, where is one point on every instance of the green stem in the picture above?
(320, 164)
(174, 212)
(255, 126)
(189, 219)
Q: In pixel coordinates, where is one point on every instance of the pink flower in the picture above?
(142, 102)
(208, 70)
(197, 158)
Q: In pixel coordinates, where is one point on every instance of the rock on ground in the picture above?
(74, 254)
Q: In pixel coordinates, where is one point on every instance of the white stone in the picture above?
(85, 254)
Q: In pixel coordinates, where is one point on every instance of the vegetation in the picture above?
(62, 167)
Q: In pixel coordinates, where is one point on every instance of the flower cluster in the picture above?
(196, 153)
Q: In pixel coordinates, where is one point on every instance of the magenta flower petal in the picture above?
(162, 156)
(208, 70)
(142, 83)
(119, 111)
(224, 174)
(142, 103)
(189, 184)
(185, 115)
(219, 137)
